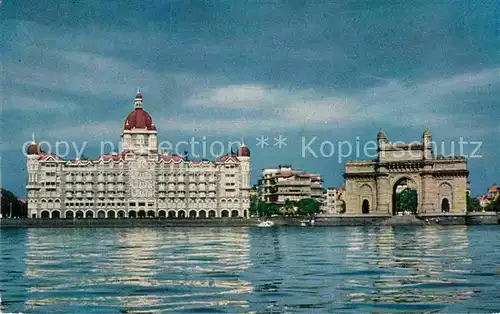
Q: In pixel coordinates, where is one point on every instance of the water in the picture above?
(256, 270)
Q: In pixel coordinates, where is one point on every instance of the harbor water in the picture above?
(431, 269)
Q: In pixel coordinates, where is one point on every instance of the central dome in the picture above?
(139, 119)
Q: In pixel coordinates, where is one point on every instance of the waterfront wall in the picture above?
(481, 218)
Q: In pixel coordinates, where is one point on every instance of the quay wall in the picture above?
(329, 221)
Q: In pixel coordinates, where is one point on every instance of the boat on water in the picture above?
(266, 223)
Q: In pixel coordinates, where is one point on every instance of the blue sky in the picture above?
(228, 70)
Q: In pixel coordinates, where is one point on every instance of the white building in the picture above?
(138, 181)
(285, 183)
(334, 199)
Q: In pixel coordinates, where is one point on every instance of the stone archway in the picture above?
(434, 178)
(405, 195)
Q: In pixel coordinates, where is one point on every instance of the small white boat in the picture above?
(266, 223)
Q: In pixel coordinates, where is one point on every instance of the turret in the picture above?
(427, 143)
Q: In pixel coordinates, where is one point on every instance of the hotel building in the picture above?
(285, 183)
(139, 181)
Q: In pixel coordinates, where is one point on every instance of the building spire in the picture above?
(138, 100)
(33, 138)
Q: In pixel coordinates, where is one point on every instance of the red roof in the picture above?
(227, 157)
(139, 119)
(44, 156)
(108, 157)
(138, 95)
(170, 158)
(493, 188)
(32, 149)
(243, 151)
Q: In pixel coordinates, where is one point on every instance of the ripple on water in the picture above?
(250, 270)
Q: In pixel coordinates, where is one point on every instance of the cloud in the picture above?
(33, 105)
(394, 102)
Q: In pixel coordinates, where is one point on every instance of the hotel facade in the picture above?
(283, 183)
(139, 181)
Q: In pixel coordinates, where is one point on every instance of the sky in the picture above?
(322, 75)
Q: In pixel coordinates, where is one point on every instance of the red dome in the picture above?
(32, 149)
(138, 95)
(243, 151)
(139, 119)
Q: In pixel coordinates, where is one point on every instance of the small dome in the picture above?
(32, 149)
(138, 95)
(243, 151)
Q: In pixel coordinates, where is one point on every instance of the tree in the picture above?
(9, 201)
(266, 210)
(254, 205)
(473, 204)
(289, 208)
(407, 201)
(308, 207)
(494, 206)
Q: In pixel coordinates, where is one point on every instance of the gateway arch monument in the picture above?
(440, 182)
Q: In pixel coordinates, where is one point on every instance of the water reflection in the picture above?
(136, 269)
(13, 287)
(415, 266)
(257, 270)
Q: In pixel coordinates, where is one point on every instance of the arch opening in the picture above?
(56, 214)
(404, 197)
(365, 208)
(45, 214)
(224, 213)
(211, 214)
(69, 214)
(182, 214)
(171, 214)
(445, 205)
